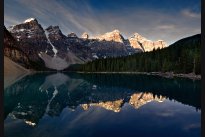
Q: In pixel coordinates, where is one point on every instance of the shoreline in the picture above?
(161, 74)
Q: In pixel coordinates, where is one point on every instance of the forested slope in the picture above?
(184, 56)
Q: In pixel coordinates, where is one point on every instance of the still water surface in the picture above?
(102, 105)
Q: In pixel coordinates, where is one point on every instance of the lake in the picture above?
(102, 105)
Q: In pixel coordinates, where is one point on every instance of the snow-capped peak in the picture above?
(116, 31)
(111, 36)
(29, 20)
(10, 28)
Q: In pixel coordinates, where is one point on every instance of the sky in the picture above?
(168, 20)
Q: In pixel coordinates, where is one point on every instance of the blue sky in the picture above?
(169, 20)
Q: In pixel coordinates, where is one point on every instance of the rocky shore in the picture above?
(162, 74)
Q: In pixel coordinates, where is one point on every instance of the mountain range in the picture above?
(34, 47)
(182, 57)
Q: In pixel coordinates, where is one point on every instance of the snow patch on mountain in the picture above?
(29, 20)
(53, 47)
(10, 28)
(57, 62)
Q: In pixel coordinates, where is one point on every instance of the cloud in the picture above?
(165, 114)
(192, 126)
(191, 14)
(80, 16)
(11, 20)
(165, 27)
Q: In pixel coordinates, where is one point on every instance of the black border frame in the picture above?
(2, 71)
(202, 69)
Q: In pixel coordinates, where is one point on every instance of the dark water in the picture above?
(102, 105)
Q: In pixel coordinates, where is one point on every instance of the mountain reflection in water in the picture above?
(50, 94)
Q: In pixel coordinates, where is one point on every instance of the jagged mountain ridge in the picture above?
(36, 43)
(58, 51)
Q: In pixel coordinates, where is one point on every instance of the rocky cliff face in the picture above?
(139, 42)
(12, 50)
(32, 39)
(50, 48)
